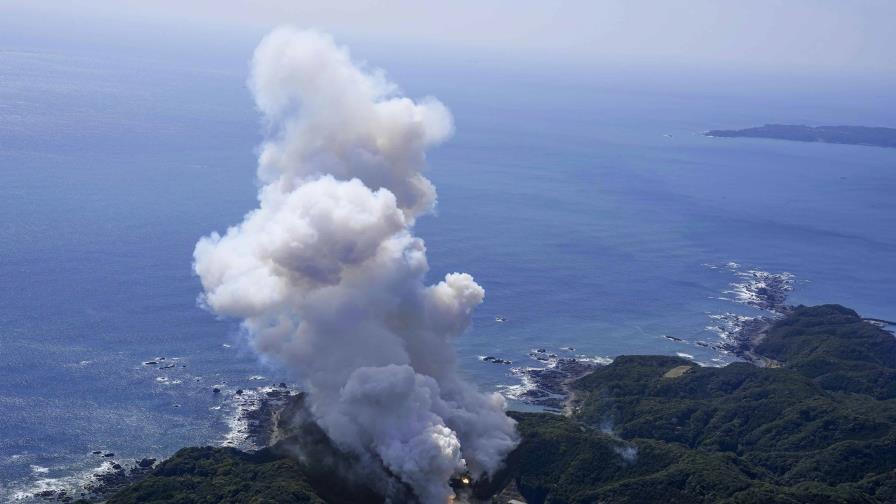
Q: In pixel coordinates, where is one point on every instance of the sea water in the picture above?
(593, 213)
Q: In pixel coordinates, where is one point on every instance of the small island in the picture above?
(848, 135)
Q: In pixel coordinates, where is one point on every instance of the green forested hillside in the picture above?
(821, 429)
(211, 475)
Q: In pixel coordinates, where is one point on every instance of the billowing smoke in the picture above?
(328, 278)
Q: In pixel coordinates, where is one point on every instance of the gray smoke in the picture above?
(327, 276)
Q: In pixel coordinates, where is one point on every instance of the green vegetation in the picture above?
(212, 475)
(833, 346)
(227, 475)
(819, 429)
(853, 135)
(273, 475)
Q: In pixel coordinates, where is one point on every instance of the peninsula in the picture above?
(849, 135)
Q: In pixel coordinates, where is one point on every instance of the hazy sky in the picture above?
(827, 35)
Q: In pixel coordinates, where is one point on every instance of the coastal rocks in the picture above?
(548, 386)
(539, 354)
(495, 360)
(55, 495)
(110, 478)
(163, 362)
(254, 416)
(739, 333)
(117, 477)
(763, 290)
(886, 325)
(146, 462)
(545, 384)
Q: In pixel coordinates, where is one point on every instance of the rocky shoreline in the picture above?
(254, 417)
(744, 341)
(255, 424)
(546, 385)
(741, 334)
(101, 483)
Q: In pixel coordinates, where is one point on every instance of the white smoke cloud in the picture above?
(328, 277)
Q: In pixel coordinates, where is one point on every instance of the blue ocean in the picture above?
(587, 204)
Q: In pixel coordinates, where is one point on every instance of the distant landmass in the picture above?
(817, 424)
(849, 135)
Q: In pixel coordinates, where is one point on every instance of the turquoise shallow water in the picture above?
(587, 210)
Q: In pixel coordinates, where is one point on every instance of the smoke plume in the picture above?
(328, 278)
